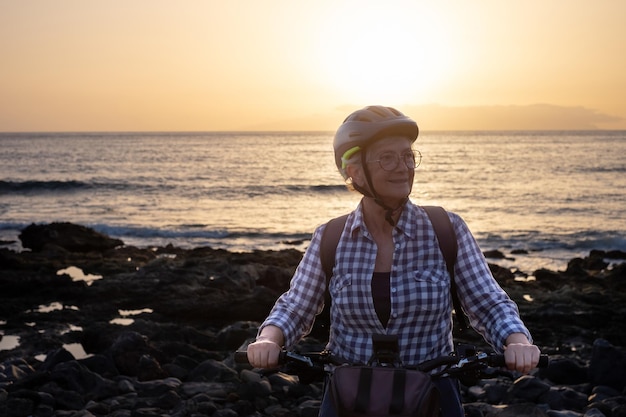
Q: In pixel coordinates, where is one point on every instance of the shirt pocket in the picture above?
(350, 301)
(429, 290)
(340, 284)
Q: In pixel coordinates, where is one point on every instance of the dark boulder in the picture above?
(71, 237)
(608, 365)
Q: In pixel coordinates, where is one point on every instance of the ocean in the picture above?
(555, 194)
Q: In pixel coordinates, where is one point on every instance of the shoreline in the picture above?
(509, 255)
(83, 255)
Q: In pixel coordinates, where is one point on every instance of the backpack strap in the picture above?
(328, 248)
(449, 246)
(330, 240)
(445, 236)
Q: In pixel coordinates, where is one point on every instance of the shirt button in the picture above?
(395, 315)
(393, 289)
(397, 246)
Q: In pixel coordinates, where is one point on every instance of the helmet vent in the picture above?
(377, 110)
(394, 111)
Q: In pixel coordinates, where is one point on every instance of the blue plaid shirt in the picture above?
(421, 305)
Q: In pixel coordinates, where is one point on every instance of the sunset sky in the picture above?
(155, 65)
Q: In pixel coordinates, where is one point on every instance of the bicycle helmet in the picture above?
(367, 125)
(362, 128)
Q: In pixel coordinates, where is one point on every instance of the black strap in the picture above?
(330, 239)
(445, 236)
(397, 391)
(449, 247)
(363, 391)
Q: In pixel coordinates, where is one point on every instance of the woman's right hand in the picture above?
(264, 353)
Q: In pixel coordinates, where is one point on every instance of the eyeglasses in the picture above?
(389, 161)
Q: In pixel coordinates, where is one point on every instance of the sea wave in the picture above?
(59, 186)
(282, 189)
(70, 186)
(198, 234)
(183, 236)
(606, 169)
(321, 188)
(7, 187)
(192, 232)
(538, 241)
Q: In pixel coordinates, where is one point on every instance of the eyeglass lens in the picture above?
(389, 161)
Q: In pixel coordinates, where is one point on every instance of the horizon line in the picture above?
(298, 131)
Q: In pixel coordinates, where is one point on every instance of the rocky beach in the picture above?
(92, 327)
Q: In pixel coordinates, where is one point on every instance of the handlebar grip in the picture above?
(241, 356)
(498, 360)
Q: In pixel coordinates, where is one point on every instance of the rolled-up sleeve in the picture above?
(294, 312)
(490, 310)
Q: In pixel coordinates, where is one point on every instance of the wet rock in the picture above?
(68, 236)
(494, 254)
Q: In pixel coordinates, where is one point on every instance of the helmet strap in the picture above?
(389, 211)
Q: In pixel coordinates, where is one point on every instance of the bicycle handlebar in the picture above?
(310, 358)
(452, 364)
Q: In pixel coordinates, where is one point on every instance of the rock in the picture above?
(548, 279)
(494, 254)
(56, 357)
(529, 388)
(212, 389)
(133, 356)
(77, 378)
(190, 309)
(565, 371)
(21, 405)
(581, 267)
(71, 237)
(608, 365)
(594, 412)
(157, 388)
(565, 398)
(502, 275)
(212, 370)
(234, 335)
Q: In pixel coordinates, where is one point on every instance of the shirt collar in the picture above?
(407, 223)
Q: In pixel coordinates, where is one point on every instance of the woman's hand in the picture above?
(264, 352)
(520, 354)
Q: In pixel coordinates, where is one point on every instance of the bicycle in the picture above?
(467, 364)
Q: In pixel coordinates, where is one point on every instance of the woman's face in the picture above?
(387, 161)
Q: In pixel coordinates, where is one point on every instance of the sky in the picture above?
(156, 65)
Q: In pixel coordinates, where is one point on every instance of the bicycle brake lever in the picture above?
(299, 358)
(472, 359)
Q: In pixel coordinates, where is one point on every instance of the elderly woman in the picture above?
(390, 276)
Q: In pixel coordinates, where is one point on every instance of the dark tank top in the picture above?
(381, 296)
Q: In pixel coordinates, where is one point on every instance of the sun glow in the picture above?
(388, 53)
